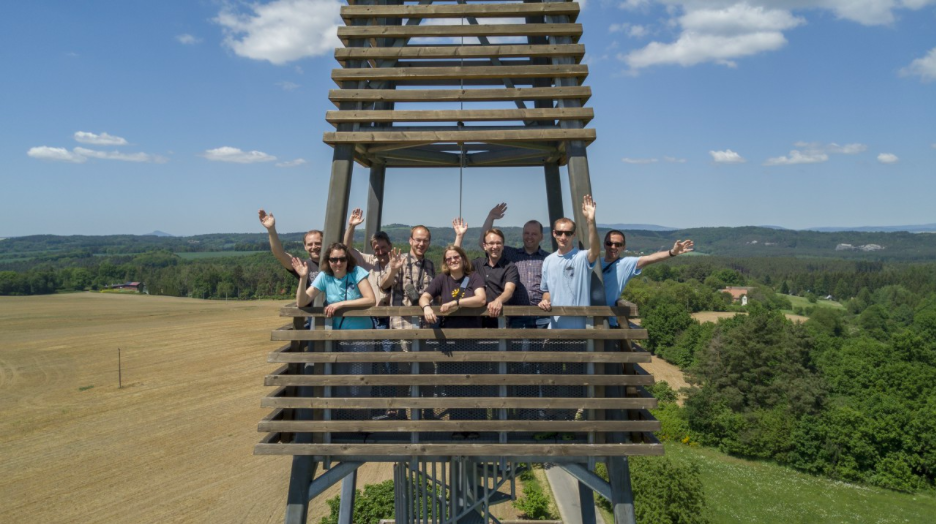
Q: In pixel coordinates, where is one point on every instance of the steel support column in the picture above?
(622, 496)
(297, 497)
(346, 510)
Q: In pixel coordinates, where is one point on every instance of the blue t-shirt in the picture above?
(567, 278)
(616, 274)
(341, 289)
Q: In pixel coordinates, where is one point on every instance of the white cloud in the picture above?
(298, 70)
(83, 137)
(726, 157)
(797, 157)
(832, 147)
(292, 163)
(116, 155)
(233, 154)
(631, 30)
(288, 86)
(633, 5)
(188, 39)
(888, 158)
(674, 160)
(55, 154)
(719, 35)
(283, 30)
(933, 146)
(638, 160)
(925, 67)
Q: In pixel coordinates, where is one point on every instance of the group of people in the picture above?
(526, 276)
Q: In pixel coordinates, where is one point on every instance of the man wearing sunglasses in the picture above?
(618, 270)
(376, 264)
(567, 272)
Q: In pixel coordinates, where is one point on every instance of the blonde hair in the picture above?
(468, 267)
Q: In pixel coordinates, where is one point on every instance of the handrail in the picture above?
(623, 309)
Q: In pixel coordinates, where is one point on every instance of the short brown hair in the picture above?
(494, 231)
(414, 228)
(563, 220)
(469, 268)
(326, 267)
(615, 232)
(537, 223)
(312, 232)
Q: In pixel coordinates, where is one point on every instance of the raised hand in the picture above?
(588, 208)
(396, 259)
(497, 212)
(356, 218)
(681, 247)
(460, 226)
(267, 220)
(299, 266)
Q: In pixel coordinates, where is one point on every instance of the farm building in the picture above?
(737, 292)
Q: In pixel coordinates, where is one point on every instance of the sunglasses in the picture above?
(560, 233)
(614, 244)
(452, 259)
(337, 259)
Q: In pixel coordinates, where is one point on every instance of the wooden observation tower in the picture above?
(459, 83)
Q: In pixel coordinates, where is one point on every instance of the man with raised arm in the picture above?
(567, 272)
(312, 241)
(500, 276)
(376, 265)
(529, 263)
(617, 271)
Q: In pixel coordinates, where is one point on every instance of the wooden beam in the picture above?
(457, 402)
(466, 115)
(513, 426)
(459, 73)
(458, 380)
(469, 450)
(520, 135)
(350, 12)
(460, 334)
(628, 357)
(571, 31)
(580, 93)
(343, 54)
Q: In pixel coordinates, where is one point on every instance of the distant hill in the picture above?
(924, 228)
(637, 227)
(158, 233)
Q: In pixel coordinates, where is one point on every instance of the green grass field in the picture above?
(803, 303)
(216, 254)
(744, 491)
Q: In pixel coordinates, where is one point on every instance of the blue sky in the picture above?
(188, 116)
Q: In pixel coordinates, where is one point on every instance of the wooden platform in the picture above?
(566, 394)
(430, 54)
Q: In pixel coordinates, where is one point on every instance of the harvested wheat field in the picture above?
(175, 444)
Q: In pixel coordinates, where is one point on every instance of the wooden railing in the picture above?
(554, 394)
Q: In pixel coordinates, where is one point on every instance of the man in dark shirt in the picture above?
(529, 263)
(500, 276)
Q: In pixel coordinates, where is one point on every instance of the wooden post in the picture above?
(622, 496)
(375, 194)
(119, 371)
(553, 197)
(346, 510)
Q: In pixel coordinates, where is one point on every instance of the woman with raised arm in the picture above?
(345, 285)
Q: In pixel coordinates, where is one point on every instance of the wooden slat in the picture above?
(509, 311)
(513, 426)
(458, 380)
(470, 450)
(584, 115)
(346, 33)
(418, 137)
(459, 73)
(278, 401)
(570, 9)
(581, 93)
(342, 54)
(460, 334)
(461, 356)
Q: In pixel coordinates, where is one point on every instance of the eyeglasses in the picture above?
(336, 260)
(560, 233)
(614, 244)
(453, 259)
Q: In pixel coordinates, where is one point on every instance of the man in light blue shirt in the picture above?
(567, 272)
(617, 271)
